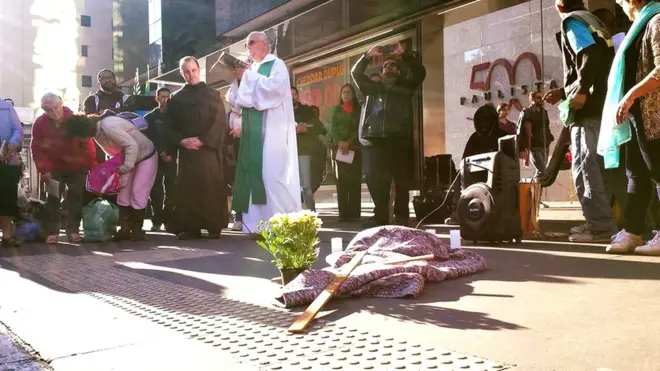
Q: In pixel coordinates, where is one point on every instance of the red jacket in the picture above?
(52, 150)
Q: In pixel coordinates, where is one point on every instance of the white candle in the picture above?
(455, 239)
(336, 244)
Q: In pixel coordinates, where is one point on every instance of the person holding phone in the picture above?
(388, 127)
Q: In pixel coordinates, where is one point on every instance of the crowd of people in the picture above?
(196, 164)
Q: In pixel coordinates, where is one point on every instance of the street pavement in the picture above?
(165, 304)
(15, 356)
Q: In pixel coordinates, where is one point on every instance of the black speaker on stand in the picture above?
(488, 208)
(439, 172)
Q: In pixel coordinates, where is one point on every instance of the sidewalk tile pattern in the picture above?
(252, 334)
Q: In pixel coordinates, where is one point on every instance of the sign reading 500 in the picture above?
(513, 90)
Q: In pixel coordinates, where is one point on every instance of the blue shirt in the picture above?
(10, 125)
(578, 35)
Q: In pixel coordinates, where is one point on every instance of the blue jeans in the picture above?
(589, 176)
(305, 169)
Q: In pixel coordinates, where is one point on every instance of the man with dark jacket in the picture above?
(588, 52)
(387, 125)
(535, 135)
(308, 130)
(162, 193)
(107, 97)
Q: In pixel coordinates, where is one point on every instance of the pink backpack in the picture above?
(104, 178)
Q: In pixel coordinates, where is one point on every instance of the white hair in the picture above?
(50, 97)
(262, 36)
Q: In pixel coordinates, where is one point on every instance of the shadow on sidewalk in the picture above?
(426, 308)
(188, 284)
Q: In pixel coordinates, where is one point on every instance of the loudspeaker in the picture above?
(439, 173)
(488, 208)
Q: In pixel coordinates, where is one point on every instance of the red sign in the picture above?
(321, 87)
(485, 84)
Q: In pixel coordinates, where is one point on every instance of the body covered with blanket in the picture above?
(375, 278)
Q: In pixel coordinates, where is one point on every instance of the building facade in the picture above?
(475, 52)
(56, 46)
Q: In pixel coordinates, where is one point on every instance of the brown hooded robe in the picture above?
(201, 197)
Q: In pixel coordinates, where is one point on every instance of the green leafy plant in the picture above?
(291, 239)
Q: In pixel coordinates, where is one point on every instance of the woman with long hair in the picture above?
(633, 102)
(115, 136)
(505, 124)
(344, 133)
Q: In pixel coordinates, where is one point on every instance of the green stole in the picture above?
(249, 179)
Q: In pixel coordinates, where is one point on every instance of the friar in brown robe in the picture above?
(198, 125)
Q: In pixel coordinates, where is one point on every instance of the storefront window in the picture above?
(475, 53)
(321, 86)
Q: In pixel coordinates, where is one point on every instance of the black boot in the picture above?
(124, 232)
(137, 221)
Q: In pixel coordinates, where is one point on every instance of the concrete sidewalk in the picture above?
(15, 356)
(165, 304)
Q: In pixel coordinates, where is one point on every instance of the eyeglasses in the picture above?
(388, 65)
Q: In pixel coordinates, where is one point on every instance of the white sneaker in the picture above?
(624, 242)
(237, 226)
(652, 247)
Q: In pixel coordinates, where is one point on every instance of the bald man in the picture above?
(267, 179)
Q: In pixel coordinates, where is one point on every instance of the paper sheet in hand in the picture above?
(53, 188)
(346, 158)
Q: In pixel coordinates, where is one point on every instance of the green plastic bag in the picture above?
(566, 114)
(100, 220)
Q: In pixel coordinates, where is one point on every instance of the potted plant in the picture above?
(291, 239)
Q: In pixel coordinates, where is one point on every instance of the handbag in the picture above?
(104, 179)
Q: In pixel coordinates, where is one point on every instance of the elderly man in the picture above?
(267, 180)
(197, 124)
(65, 160)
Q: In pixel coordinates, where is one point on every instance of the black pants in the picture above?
(72, 187)
(162, 193)
(643, 170)
(349, 188)
(390, 160)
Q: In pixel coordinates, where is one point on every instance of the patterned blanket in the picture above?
(374, 279)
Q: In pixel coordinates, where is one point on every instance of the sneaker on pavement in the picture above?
(74, 238)
(237, 226)
(624, 242)
(588, 236)
(652, 247)
(582, 228)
